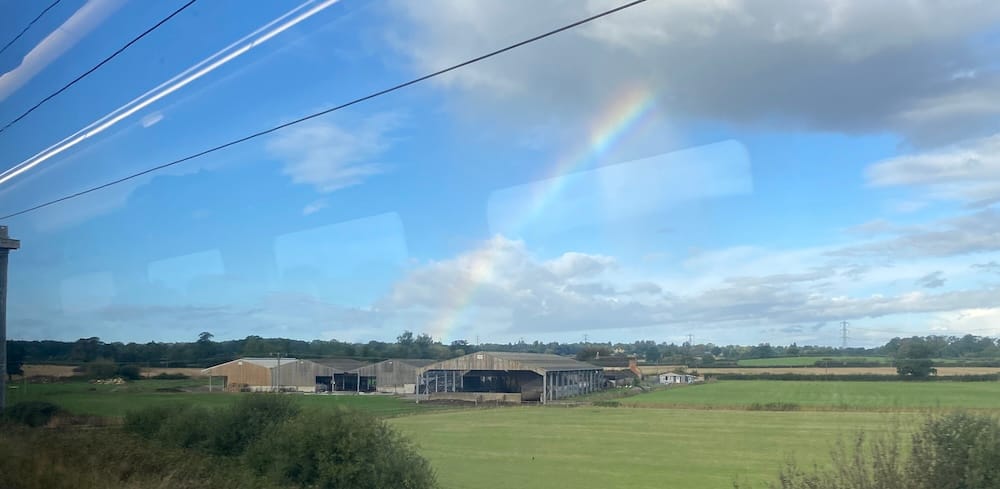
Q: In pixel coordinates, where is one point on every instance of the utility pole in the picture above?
(6, 244)
(843, 334)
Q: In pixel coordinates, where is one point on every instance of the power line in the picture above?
(327, 111)
(98, 65)
(18, 36)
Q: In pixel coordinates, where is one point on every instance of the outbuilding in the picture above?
(392, 376)
(269, 374)
(675, 378)
(507, 377)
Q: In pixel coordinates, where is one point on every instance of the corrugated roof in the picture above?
(493, 360)
(263, 362)
(341, 364)
(545, 361)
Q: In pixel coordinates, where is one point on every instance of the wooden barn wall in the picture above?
(246, 374)
(302, 373)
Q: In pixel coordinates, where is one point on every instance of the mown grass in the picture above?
(117, 400)
(826, 395)
(589, 447)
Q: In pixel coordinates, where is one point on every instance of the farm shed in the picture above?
(344, 376)
(674, 378)
(393, 376)
(269, 374)
(533, 376)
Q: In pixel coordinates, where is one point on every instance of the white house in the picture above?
(674, 378)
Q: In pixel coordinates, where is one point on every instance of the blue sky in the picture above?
(740, 172)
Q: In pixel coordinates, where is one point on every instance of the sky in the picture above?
(742, 172)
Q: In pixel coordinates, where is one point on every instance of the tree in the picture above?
(652, 354)
(15, 360)
(913, 358)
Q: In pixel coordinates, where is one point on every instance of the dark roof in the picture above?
(341, 364)
(500, 360)
(618, 374)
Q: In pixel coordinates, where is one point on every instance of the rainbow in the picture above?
(623, 116)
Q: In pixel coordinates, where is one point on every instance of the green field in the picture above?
(807, 361)
(589, 447)
(116, 400)
(828, 395)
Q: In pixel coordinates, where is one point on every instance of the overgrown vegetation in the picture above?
(31, 413)
(276, 440)
(957, 450)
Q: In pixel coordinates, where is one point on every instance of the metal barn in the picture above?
(508, 377)
(344, 376)
(392, 376)
(269, 374)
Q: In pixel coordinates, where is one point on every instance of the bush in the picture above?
(100, 369)
(129, 372)
(951, 451)
(344, 448)
(31, 413)
(226, 431)
(170, 376)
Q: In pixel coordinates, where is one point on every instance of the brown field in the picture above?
(942, 371)
(48, 370)
(67, 371)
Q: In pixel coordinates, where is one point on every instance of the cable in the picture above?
(327, 111)
(98, 65)
(39, 16)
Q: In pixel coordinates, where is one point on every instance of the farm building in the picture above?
(344, 376)
(393, 376)
(507, 377)
(269, 374)
(674, 378)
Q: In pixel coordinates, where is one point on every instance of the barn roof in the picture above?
(374, 368)
(341, 364)
(496, 360)
(262, 362)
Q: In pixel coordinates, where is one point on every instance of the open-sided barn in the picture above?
(510, 377)
(393, 376)
(344, 376)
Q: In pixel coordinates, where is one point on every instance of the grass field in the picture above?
(636, 448)
(828, 395)
(116, 400)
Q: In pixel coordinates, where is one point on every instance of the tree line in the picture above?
(205, 351)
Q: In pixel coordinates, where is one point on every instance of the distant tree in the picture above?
(792, 350)
(913, 358)
(593, 352)
(15, 360)
(652, 354)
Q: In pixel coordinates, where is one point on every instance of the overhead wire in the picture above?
(98, 65)
(37, 17)
(314, 115)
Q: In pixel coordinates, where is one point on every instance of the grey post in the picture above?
(6, 244)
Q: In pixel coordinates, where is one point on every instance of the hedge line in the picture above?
(855, 377)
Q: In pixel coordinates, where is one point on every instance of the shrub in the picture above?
(148, 421)
(129, 372)
(951, 451)
(100, 369)
(344, 448)
(607, 403)
(170, 376)
(31, 413)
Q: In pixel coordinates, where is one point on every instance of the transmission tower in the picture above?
(843, 334)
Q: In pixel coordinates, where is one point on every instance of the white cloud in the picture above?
(822, 64)
(151, 119)
(968, 172)
(329, 157)
(501, 286)
(315, 206)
